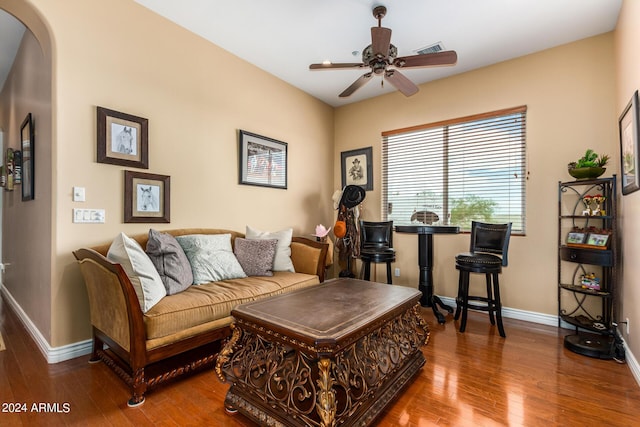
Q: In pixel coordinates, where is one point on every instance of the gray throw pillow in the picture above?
(211, 257)
(169, 258)
(256, 255)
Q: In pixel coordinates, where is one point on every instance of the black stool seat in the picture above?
(487, 255)
(478, 262)
(376, 245)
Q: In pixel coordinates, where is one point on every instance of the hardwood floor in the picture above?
(475, 378)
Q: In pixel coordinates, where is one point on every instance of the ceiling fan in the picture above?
(380, 55)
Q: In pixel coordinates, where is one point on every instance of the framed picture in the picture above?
(357, 168)
(575, 237)
(599, 240)
(146, 197)
(123, 139)
(628, 125)
(262, 161)
(27, 144)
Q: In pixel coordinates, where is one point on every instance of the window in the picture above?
(457, 171)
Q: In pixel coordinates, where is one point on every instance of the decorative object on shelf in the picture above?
(8, 163)
(17, 167)
(590, 200)
(589, 166)
(590, 281)
(146, 197)
(628, 128)
(123, 139)
(27, 144)
(599, 240)
(588, 238)
(356, 168)
(263, 161)
(576, 237)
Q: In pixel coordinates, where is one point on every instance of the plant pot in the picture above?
(586, 173)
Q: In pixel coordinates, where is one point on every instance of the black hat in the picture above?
(352, 196)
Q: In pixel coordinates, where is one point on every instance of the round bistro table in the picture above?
(425, 261)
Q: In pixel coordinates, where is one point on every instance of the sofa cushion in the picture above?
(211, 257)
(282, 261)
(256, 255)
(213, 301)
(142, 274)
(172, 263)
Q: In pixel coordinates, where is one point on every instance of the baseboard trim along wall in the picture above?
(71, 351)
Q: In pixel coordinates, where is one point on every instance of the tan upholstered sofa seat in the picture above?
(213, 302)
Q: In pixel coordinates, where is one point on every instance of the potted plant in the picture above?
(589, 166)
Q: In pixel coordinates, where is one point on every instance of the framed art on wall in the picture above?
(356, 168)
(27, 141)
(123, 139)
(146, 197)
(628, 124)
(262, 161)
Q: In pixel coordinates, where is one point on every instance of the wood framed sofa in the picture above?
(183, 332)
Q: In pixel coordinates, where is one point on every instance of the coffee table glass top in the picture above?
(329, 311)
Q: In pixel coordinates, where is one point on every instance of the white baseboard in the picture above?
(71, 351)
(51, 354)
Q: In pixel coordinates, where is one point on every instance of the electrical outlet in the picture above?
(397, 272)
(627, 323)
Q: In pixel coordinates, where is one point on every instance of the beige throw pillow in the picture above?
(282, 261)
(142, 274)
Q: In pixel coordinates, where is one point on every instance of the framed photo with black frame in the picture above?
(27, 144)
(356, 168)
(147, 197)
(123, 139)
(262, 161)
(628, 125)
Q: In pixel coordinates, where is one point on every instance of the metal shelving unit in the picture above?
(588, 308)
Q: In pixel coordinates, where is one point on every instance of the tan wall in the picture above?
(569, 93)
(27, 226)
(627, 44)
(196, 96)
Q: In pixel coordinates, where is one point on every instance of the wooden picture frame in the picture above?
(628, 125)
(147, 197)
(27, 146)
(123, 139)
(356, 168)
(262, 161)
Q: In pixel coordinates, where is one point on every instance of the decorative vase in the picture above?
(586, 173)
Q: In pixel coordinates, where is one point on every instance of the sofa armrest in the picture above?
(309, 256)
(113, 304)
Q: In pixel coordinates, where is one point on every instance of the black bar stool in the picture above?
(376, 245)
(487, 255)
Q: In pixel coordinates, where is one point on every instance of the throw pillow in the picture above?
(143, 275)
(211, 257)
(169, 258)
(282, 261)
(255, 255)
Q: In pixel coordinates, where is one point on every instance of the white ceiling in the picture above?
(283, 37)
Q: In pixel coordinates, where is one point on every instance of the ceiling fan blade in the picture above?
(380, 41)
(356, 85)
(446, 57)
(400, 82)
(336, 65)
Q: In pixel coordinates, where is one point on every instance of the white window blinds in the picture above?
(457, 171)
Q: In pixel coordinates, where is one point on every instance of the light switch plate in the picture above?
(88, 216)
(78, 194)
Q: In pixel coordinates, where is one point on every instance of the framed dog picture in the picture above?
(123, 139)
(146, 197)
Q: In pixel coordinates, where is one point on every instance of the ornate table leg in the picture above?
(326, 404)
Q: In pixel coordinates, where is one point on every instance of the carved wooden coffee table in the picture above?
(332, 355)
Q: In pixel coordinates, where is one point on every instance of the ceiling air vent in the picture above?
(436, 47)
